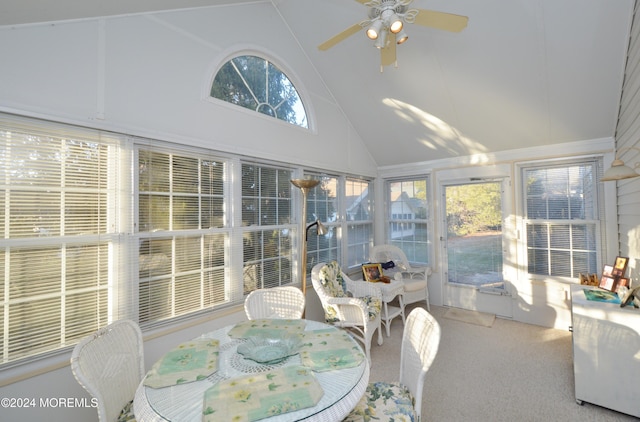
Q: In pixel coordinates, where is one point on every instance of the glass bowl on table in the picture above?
(269, 350)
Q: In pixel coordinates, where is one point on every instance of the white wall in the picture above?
(150, 75)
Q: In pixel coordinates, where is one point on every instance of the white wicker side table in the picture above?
(389, 292)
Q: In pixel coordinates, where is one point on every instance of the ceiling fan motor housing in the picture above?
(378, 7)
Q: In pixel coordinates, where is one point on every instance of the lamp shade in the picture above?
(618, 171)
(322, 230)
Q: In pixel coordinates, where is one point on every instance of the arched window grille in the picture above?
(257, 84)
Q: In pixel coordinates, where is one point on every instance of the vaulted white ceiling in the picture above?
(523, 73)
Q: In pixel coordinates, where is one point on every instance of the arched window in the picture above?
(257, 84)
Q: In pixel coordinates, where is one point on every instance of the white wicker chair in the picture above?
(414, 278)
(402, 400)
(284, 302)
(352, 306)
(109, 364)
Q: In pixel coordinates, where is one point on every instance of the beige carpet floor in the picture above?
(470, 317)
(509, 372)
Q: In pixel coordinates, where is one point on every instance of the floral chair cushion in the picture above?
(335, 286)
(383, 401)
(126, 414)
(331, 279)
(374, 305)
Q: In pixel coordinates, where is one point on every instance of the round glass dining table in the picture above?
(341, 386)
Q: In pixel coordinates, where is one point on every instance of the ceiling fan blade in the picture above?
(441, 20)
(388, 54)
(341, 36)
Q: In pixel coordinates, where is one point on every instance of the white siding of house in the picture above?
(628, 136)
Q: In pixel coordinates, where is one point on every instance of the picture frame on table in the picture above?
(608, 283)
(624, 281)
(620, 266)
(372, 272)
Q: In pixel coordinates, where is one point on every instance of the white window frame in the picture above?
(295, 82)
(108, 275)
(351, 259)
(286, 231)
(405, 219)
(173, 276)
(601, 222)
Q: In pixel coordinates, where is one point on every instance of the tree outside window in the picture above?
(257, 84)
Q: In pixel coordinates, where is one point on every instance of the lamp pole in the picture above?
(305, 185)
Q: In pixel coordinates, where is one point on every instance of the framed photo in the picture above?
(608, 283)
(620, 266)
(372, 272)
(608, 270)
(623, 281)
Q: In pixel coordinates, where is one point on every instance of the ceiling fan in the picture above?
(385, 26)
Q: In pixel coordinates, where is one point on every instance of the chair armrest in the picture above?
(363, 288)
(415, 271)
(351, 309)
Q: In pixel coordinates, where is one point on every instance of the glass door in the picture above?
(474, 246)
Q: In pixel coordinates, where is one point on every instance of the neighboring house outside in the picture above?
(402, 208)
(357, 208)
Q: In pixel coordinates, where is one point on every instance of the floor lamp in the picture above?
(305, 186)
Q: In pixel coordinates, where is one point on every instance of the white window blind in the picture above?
(359, 220)
(56, 221)
(323, 204)
(183, 234)
(562, 218)
(268, 232)
(82, 246)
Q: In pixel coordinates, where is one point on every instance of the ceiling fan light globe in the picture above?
(395, 26)
(401, 37)
(373, 32)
